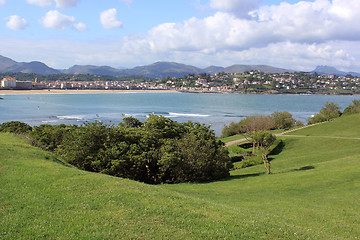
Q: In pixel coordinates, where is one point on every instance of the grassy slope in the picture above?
(345, 126)
(312, 194)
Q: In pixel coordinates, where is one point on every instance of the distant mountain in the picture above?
(9, 65)
(162, 69)
(332, 71)
(35, 67)
(172, 69)
(91, 69)
(6, 63)
(263, 68)
(155, 70)
(213, 69)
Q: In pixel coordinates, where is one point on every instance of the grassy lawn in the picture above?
(313, 194)
(345, 126)
(232, 138)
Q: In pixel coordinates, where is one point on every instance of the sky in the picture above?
(291, 34)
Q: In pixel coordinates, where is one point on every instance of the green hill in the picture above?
(313, 194)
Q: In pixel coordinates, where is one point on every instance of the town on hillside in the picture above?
(247, 82)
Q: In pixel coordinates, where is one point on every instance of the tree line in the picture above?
(250, 124)
(331, 110)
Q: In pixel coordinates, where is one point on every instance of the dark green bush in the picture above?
(328, 111)
(15, 127)
(158, 150)
(49, 136)
(352, 108)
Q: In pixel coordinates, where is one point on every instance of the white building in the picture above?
(8, 82)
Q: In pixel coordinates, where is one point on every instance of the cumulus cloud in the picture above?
(109, 20)
(16, 23)
(59, 3)
(303, 22)
(2, 2)
(56, 20)
(66, 3)
(80, 27)
(42, 3)
(240, 8)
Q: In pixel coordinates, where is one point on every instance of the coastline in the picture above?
(90, 91)
(72, 91)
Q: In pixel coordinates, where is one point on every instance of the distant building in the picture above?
(8, 82)
(23, 84)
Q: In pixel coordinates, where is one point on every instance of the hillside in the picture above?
(162, 70)
(90, 69)
(313, 194)
(345, 126)
(9, 65)
(263, 68)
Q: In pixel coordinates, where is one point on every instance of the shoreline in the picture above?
(72, 91)
(89, 91)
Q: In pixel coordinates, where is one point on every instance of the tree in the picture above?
(15, 127)
(283, 120)
(328, 111)
(264, 139)
(255, 123)
(353, 108)
(132, 122)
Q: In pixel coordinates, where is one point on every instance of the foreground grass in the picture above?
(313, 194)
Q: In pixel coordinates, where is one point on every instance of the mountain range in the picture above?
(155, 70)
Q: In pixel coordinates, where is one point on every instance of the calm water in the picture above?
(212, 109)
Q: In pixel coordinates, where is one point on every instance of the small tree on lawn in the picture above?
(264, 139)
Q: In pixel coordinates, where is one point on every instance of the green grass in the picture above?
(313, 194)
(345, 126)
(232, 138)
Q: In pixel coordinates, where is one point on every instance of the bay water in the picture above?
(211, 109)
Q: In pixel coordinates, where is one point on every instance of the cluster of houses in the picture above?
(228, 82)
(219, 82)
(12, 83)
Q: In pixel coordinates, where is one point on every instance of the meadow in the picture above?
(313, 193)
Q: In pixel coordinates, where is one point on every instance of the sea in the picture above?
(212, 109)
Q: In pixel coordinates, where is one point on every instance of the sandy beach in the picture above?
(71, 91)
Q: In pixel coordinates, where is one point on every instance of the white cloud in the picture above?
(80, 27)
(56, 20)
(2, 2)
(59, 3)
(16, 23)
(304, 22)
(66, 3)
(42, 3)
(240, 8)
(109, 20)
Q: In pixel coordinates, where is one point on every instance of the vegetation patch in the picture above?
(158, 150)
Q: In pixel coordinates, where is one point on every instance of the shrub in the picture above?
(328, 111)
(157, 151)
(352, 108)
(283, 120)
(15, 127)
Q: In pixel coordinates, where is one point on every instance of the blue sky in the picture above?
(291, 34)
